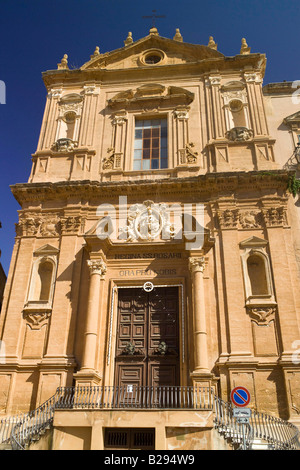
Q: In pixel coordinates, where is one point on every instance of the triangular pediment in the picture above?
(46, 250)
(133, 55)
(293, 119)
(253, 242)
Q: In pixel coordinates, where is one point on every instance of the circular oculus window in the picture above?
(152, 57)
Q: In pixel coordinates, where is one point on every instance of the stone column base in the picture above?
(202, 379)
(87, 378)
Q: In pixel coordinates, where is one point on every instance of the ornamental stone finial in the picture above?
(129, 39)
(64, 63)
(211, 43)
(178, 36)
(96, 52)
(244, 48)
(154, 31)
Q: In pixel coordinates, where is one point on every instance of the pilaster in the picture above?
(201, 373)
(87, 374)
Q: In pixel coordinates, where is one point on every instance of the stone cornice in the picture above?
(238, 63)
(205, 186)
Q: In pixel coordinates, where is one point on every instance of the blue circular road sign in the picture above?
(240, 396)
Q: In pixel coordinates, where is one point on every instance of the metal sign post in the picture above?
(240, 397)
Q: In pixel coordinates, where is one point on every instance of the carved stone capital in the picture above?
(119, 118)
(252, 77)
(197, 264)
(28, 225)
(55, 93)
(214, 80)
(97, 266)
(228, 218)
(70, 224)
(274, 216)
(182, 112)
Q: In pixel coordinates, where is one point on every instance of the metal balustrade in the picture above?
(278, 433)
(109, 397)
(21, 430)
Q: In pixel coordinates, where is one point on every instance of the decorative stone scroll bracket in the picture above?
(239, 134)
(262, 315)
(38, 319)
(64, 145)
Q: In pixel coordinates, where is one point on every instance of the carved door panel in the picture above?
(147, 344)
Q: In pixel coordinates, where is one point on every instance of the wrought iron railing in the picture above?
(21, 430)
(131, 396)
(278, 433)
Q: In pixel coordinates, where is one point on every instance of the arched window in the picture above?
(42, 280)
(257, 271)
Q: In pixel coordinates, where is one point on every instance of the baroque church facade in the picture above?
(155, 244)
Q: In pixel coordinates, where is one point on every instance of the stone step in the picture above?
(5, 447)
(259, 444)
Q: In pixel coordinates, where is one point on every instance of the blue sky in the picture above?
(34, 35)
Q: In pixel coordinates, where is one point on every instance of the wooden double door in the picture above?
(147, 342)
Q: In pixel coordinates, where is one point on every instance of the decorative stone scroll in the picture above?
(64, 145)
(239, 134)
(261, 315)
(37, 319)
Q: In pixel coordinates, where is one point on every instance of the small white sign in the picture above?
(241, 412)
(129, 388)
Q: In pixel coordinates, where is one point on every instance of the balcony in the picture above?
(134, 397)
(132, 406)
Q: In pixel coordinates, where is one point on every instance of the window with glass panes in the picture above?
(150, 145)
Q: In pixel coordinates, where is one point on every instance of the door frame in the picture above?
(112, 324)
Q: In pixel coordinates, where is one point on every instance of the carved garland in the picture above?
(250, 219)
(47, 226)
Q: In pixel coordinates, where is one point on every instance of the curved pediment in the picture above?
(151, 93)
